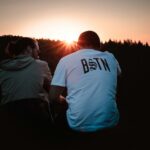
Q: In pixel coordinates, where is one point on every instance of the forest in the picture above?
(133, 84)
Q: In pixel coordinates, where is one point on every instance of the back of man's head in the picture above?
(89, 39)
(23, 44)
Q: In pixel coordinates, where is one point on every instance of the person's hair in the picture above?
(89, 39)
(21, 45)
(5, 41)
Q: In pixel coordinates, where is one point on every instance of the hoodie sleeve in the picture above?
(48, 74)
(47, 77)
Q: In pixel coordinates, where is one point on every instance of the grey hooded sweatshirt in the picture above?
(22, 78)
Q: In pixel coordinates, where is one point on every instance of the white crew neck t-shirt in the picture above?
(91, 80)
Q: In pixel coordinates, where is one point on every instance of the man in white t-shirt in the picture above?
(90, 77)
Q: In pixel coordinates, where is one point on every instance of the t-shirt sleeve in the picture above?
(59, 77)
(117, 63)
(118, 68)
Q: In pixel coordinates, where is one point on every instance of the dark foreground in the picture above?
(45, 136)
(21, 129)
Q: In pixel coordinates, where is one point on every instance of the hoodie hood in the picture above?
(17, 63)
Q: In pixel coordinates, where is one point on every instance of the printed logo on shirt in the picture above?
(94, 64)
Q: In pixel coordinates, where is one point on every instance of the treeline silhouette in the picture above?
(133, 85)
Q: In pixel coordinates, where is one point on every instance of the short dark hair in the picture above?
(21, 45)
(5, 41)
(89, 38)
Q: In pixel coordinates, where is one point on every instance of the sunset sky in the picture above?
(66, 19)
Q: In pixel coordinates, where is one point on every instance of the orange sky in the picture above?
(66, 19)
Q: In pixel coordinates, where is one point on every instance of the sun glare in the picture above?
(65, 31)
(69, 38)
(55, 30)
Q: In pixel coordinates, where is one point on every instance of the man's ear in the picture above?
(35, 53)
(28, 50)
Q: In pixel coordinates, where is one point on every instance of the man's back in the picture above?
(91, 79)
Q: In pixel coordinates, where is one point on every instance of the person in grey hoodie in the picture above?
(23, 76)
(24, 81)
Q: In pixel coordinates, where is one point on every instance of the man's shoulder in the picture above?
(108, 53)
(69, 56)
(41, 62)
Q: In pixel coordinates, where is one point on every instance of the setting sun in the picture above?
(64, 30)
(70, 39)
(66, 35)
